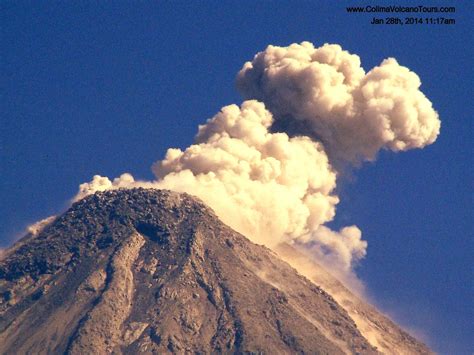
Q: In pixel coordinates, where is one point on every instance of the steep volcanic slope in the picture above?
(149, 271)
(377, 328)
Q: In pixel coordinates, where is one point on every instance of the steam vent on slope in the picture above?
(152, 271)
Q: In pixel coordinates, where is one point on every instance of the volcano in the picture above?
(154, 271)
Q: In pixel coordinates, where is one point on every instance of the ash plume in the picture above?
(269, 167)
(326, 91)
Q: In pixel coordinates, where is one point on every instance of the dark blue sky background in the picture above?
(105, 87)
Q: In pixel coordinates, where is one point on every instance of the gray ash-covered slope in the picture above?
(152, 271)
(380, 330)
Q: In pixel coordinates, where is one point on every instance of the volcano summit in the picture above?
(154, 271)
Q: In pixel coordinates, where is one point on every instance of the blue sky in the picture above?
(106, 88)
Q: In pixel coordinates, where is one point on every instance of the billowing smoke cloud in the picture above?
(264, 167)
(324, 93)
(270, 187)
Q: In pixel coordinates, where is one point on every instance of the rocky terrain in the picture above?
(153, 271)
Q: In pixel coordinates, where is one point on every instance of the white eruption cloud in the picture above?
(326, 94)
(269, 187)
(268, 168)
